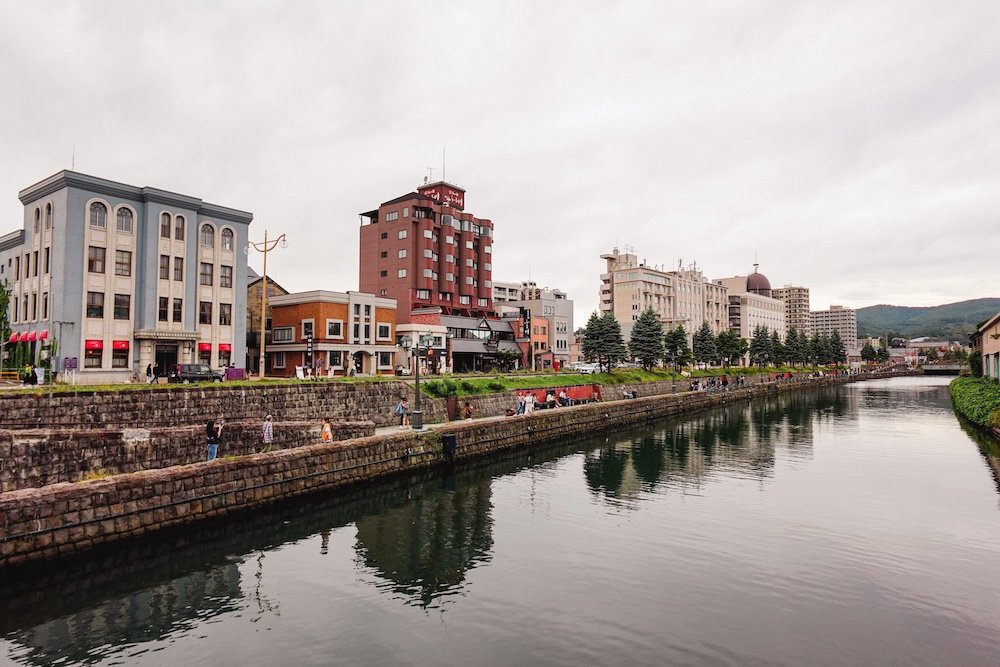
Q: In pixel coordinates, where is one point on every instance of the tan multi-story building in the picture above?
(333, 333)
(751, 305)
(796, 300)
(842, 320)
(986, 342)
(551, 314)
(682, 297)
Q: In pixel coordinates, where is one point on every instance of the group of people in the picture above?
(213, 434)
(527, 402)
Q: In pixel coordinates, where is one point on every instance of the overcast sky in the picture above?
(851, 147)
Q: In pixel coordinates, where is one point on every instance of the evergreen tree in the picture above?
(646, 343)
(792, 346)
(882, 355)
(868, 352)
(590, 338)
(760, 346)
(777, 349)
(837, 351)
(728, 346)
(676, 350)
(821, 349)
(705, 351)
(614, 343)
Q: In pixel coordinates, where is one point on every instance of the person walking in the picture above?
(326, 432)
(267, 433)
(149, 373)
(213, 433)
(467, 411)
(403, 412)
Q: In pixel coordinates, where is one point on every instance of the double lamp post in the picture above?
(424, 344)
(264, 247)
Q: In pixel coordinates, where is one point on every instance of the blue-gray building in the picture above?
(124, 276)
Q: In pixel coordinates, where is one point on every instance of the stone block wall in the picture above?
(36, 458)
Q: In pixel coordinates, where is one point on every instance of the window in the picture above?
(164, 267)
(392, 217)
(123, 263)
(38, 220)
(384, 254)
(428, 253)
(402, 233)
(225, 314)
(468, 262)
(401, 273)
(308, 330)
(423, 294)
(468, 280)
(464, 300)
(178, 314)
(178, 268)
(93, 359)
(124, 220)
(227, 239)
(385, 359)
(179, 228)
(383, 274)
(205, 356)
(164, 225)
(278, 359)
(205, 274)
(383, 331)
(468, 245)
(282, 335)
(428, 233)
(95, 260)
(449, 259)
(163, 310)
(119, 358)
(368, 311)
(224, 357)
(123, 304)
(225, 276)
(48, 216)
(428, 273)
(368, 332)
(98, 215)
(34, 259)
(45, 305)
(482, 302)
(488, 249)
(401, 254)
(205, 312)
(384, 235)
(207, 235)
(487, 266)
(406, 211)
(334, 329)
(450, 277)
(95, 304)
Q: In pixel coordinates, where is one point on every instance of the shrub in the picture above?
(470, 387)
(496, 386)
(978, 399)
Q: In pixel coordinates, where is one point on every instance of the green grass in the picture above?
(977, 399)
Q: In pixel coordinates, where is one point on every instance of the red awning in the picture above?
(204, 347)
(23, 337)
(13, 338)
(225, 347)
(94, 345)
(32, 336)
(44, 334)
(119, 345)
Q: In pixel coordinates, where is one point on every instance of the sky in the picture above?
(848, 147)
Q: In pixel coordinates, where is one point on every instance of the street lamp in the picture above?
(264, 247)
(419, 348)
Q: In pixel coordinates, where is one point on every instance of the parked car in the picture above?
(194, 373)
(589, 369)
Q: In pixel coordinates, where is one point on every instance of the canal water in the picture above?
(857, 525)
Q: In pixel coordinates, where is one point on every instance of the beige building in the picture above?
(751, 305)
(796, 300)
(989, 346)
(678, 297)
(842, 320)
(551, 315)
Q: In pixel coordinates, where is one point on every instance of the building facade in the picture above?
(331, 334)
(124, 276)
(752, 305)
(551, 328)
(682, 297)
(796, 300)
(842, 320)
(424, 250)
(986, 343)
(254, 296)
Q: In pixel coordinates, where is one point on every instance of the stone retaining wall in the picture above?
(36, 458)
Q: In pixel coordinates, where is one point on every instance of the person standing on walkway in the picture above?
(213, 433)
(267, 433)
(149, 373)
(326, 432)
(467, 411)
(403, 412)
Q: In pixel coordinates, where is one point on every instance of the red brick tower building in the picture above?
(423, 249)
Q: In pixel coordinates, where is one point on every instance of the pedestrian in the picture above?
(149, 373)
(521, 402)
(467, 411)
(267, 433)
(213, 433)
(402, 412)
(326, 432)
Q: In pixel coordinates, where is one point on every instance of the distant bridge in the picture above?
(942, 369)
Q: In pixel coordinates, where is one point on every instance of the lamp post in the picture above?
(417, 414)
(264, 247)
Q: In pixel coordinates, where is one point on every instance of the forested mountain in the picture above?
(953, 321)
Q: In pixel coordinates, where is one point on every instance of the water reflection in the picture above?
(738, 437)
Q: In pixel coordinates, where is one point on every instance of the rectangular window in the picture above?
(402, 233)
(428, 273)
(464, 300)
(178, 268)
(428, 253)
(95, 260)
(205, 274)
(334, 329)
(95, 304)
(488, 249)
(179, 228)
(384, 235)
(423, 294)
(368, 332)
(205, 312)
(119, 358)
(368, 311)
(392, 217)
(225, 276)
(278, 359)
(123, 305)
(449, 239)
(45, 305)
(46, 261)
(178, 310)
(225, 314)
(282, 335)
(224, 358)
(384, 254)
(35, 261)
(357, 331)
(123, 263)
(428, 233)
(17, 268)
(383, 274)
(93, 359)
(468, 245)
(401, 254)
(401, 273)
(163, 311)
(406, 211)
(164, 267)
(307, 329)
(384, 331)
(385, 359)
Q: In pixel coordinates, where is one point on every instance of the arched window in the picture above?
(164, 225)
(124, 220)
(98, 215)
(38, 220)
(48, 216)
(227, 239)
(179, 228)
(207, 235)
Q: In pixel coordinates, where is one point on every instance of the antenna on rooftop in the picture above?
(443, 161)
(72, 163)
(430, 170)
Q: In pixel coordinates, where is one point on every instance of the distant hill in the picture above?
(953, 321)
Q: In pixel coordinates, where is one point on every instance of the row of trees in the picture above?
(602, 342)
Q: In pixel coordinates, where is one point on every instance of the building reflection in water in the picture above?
(682, 452)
